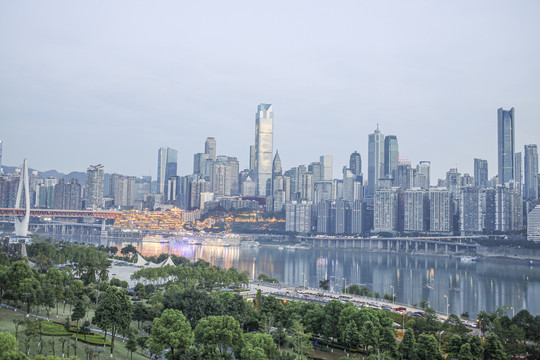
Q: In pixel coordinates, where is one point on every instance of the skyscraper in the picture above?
(94, 187)
(355, 163)
(518, 174)
(327, 168)
(375, 160)
(391, 156)
(264, 128)
(480, 173)
(167, 167)
(210, 148)
(505, 131)
(530, 188)
(1, 144)
(422, 177)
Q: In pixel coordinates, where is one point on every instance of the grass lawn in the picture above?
(6, 325)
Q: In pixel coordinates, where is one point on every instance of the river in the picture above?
(463, 286)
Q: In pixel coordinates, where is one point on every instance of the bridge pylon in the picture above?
(21, 222)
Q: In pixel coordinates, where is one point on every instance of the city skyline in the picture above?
(434, 70)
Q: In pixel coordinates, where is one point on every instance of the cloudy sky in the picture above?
(87, 82)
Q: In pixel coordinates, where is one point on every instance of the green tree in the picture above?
(299, 339)
(8, 344)
(171, 331)
(427, 348)
(484, 322)
(79, 312)
(406, 347)
(351, 336)
(324, 284)
(477, 349)
(262, 341)
(465, 352)
(252, 353)
(493, 349)
(128, 250)
(220, 331)
(453, 346)
(114, 312)
(131, 345)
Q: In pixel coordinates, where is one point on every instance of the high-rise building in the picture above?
(453, 182)
(471, 210)
(210, 148)
(388, 210)
(498, 209)
(416, 210)
(391, 156)
(1, 145)
(506, 148)
(224, 176)
(403, 175)
(122, 189)
(264, 128)
(530, 189)
(533, 224)
(167, 167)
(518, 174)
(298, 217)
(316, 170)
(355, 163)
(94, 187)
(252, 157)
(277, 170)
(327, 169)
(375, 160)
(441, 211)
(421, 177)
(143, 186)
(67, 196)
(480, 173)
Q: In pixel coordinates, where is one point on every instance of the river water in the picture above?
(466, 287)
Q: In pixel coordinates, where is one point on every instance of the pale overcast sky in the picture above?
(87, 82)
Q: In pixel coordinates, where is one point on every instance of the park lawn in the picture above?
(7, 325)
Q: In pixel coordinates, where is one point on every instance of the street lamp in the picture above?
(447, 305)
(393, 294)
(345, 285)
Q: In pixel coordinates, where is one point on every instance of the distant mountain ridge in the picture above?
(79, 175)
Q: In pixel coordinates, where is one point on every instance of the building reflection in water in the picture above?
(471, 287)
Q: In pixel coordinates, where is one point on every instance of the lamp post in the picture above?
(447, 305)
(393, 294)
(345, 285)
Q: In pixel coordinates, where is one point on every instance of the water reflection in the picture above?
(470, 287)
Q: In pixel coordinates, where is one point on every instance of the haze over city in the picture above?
(110, 83)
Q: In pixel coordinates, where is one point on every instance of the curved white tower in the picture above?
(21, 224)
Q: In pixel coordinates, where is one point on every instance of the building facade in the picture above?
(505, 145)
(264, 129)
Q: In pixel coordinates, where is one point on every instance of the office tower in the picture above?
(375, 160)
(210, 148)
(184, 192)
(316, 171)
(277, 170)
(248, 187)
(355, 163)
(466, 180)
(122, 189)
(197, 187)
(530, 189)
(441, 211)
(391, 156)
(472, 211)
(224, 176)
(323, 190)
(357, 216)
(421, 177)
(94, 187)
(348, 184)
(202, 164)
(505, 134)
(327, 169)
(403, 175)
(167, 167)
(143, 186)
(252, 157)
(518, 177)
(416, 210)
(343, 217)
(388, 210)
(264, 127)
(533, 224)
(323, 217)
(453, 181)
(480, 173)
(306, 186)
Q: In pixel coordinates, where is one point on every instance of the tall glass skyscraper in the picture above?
(355, 163)
(94, 187)
(391, 156)
(506, 148)
(210, 148)
(264, 128)
(375, 160)
(530, 189)
(167, 167)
